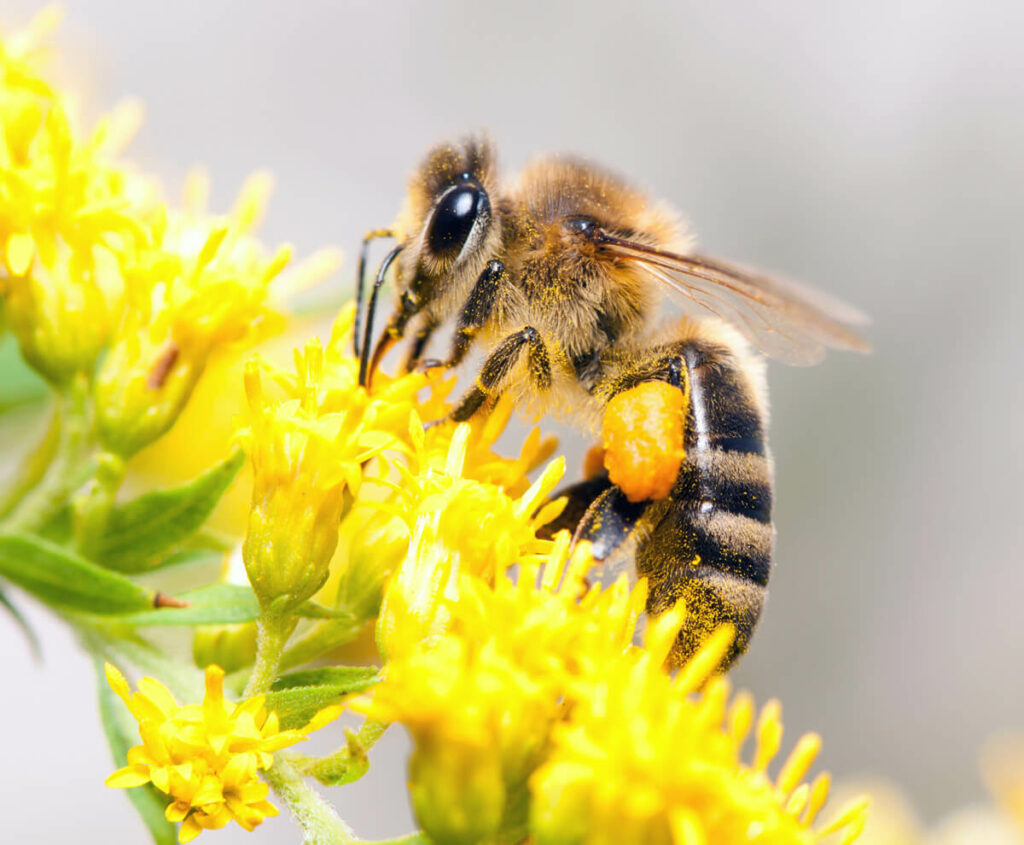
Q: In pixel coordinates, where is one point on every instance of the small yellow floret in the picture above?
(642, 435)
(205, 757)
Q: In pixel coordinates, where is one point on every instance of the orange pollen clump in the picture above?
(642, 434)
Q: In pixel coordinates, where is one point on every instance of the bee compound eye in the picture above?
(453, 219)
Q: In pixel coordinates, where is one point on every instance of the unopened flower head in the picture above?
(207, 756)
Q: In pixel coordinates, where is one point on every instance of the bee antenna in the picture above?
(360, 278)
(364, 357)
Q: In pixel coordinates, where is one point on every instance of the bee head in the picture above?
(448, 227)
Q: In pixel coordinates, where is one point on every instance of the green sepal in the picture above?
(346, 766)
(59, 577)
(296, 705)
(138, 532)
(121, 733)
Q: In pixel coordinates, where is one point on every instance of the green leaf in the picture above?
(60, 577)
(19, 383)
(352, 678)
(214, 604)
(139, 531)
(120, 730)
(296, 705)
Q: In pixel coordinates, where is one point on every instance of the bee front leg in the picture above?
(498, 366)
(473, 316)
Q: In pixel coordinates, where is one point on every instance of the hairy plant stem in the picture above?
(68, 468)
(273, 630)
(320, 824)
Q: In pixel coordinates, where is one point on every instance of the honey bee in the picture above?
(558, 276)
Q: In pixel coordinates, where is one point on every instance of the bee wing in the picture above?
(785, 320)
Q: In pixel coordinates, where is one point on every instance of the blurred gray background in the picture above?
(872, 148)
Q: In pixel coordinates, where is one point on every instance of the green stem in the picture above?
(93, 503)
(321, 825)
(32, 469)
(417, 838)
(273, 630)
(68, 469)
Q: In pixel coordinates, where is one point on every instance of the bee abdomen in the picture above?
(712, 547)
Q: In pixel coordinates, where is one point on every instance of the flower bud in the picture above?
(61, 311)
(292, 534)
(141, 390)
(458, 793)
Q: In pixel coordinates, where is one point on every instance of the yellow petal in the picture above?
(190, 829)
(127, 777)
(20, 250)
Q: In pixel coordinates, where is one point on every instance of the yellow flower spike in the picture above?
(740, 718)
(799, 761)
(206, 757)
(707, 659)
(769, 734)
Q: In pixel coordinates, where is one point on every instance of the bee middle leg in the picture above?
(498, 366)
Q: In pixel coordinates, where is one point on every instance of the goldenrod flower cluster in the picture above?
(533, 712)
(205, 757)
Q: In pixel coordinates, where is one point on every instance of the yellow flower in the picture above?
(68, 214)
(205, 757)
(644, 757)
(481, 694)
(376, 536)
(458, 526)
(202, 286)
(308, 450)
